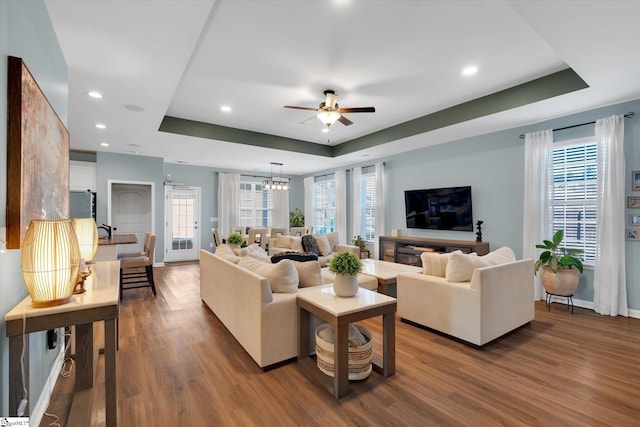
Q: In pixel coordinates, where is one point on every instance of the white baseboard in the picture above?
(37, 411)
(589, 305)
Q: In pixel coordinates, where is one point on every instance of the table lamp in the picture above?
(87, 234)
(50, 259)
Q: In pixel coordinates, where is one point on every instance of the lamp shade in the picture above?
(50, 259)
(328, 117)
(87, 234)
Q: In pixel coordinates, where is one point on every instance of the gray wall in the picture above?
(26, 32)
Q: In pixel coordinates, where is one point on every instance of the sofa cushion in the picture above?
(283, 241)
(309, 244)
(308, 273)
(224, 251)
(323, 245)
(282, 277)
(254, 251)
(294, 256)
(296, 243)
(460, 266)
(435, 263)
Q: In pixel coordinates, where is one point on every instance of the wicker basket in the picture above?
(359, 357)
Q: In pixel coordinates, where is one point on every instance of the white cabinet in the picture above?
(82, 176)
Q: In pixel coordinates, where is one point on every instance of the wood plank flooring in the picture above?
(177, 365)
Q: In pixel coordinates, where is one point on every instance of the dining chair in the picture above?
(308, 229)
(130, 269)
(257, 235)
(277, 231)
(239, 230)
(216, 237)
(145, 243)
(296, 231)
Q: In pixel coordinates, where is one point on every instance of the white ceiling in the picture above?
(187, 58)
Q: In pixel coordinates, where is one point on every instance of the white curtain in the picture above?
(228, 202)
(538, 148)
(309, 202)
(340, 212)
(356, 205)
(280, 208)
(609, 282)
(380, 221)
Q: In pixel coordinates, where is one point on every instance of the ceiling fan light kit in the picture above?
(329, 112)
(276, 182)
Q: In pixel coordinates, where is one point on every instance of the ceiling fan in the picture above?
(329, 111)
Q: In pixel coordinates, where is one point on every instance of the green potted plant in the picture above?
(296, 218)
(560, 266)
(235, 240)
(346, 267)
(358, 241)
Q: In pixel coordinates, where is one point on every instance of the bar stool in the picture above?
(130, 269)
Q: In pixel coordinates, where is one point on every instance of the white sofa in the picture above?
(265, 323)
(495, 300)
(293, 243)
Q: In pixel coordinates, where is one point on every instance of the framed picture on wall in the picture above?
(634, 220)
(633, 202)
(633, 235)
(37, 155)
(635, 180)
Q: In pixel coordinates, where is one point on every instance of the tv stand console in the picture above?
(407, 249)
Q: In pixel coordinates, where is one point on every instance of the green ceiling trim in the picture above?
(559, 83)
(546, 87)
(240, 136)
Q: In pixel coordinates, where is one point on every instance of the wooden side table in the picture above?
(98, 303)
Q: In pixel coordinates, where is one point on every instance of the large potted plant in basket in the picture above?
(560, 266)
(346, 267)
(296, 218)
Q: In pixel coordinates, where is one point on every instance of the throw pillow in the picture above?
(224, 251)
(323, 245)
(502, 255)
(460, 266)
(434, 263)
(282, 277)
(294, 256)
(255, 251)
(283, 241)
(308, 273)
(296, 243)
(309, 244)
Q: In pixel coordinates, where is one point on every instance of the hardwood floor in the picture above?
(177, 365)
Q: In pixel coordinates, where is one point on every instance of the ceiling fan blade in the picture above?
(358, 110)
(300, 108)
(345, 121)
(305, 121)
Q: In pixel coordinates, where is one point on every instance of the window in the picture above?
(575, 195)
(368, 204)
(256, 205)
(325, 206)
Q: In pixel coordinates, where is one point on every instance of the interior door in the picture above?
(182, 233)
(131, 212)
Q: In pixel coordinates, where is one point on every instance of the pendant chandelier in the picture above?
(276, 182)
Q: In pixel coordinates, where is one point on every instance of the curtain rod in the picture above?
(626, 116)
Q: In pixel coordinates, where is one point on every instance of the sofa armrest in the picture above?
(348, 248)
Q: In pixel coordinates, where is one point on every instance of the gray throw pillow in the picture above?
(309, 244)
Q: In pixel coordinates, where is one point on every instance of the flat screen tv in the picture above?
(439, 208)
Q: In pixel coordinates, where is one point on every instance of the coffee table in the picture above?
(339, 312)
(386, 272)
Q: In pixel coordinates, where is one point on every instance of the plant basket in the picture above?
(359, 357)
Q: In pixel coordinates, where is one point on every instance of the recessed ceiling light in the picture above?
(134, 145)
(101, 126)
(95, 94)
(135, 108)
(104, 144)
(325, 130)
(225, 108)
(470, 70)
(365, 155)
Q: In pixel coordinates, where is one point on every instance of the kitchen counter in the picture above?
(118, 239)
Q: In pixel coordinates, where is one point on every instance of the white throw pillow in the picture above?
(295, 243)
(323, 245)
(308, 273)
(460, 266)
(254, 251)
(283, 241)
(435, 263)
(224, 251)
(282, 277)
(502, 255)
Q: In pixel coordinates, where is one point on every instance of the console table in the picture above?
(407, 249)
(98, 303)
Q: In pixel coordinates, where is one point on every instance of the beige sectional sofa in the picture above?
(328, 243)
(264, 322)
(476, 299)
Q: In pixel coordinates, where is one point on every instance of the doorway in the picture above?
(182, 232)
(130, 208)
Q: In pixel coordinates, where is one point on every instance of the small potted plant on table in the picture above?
(346, 267)
(235, 240)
